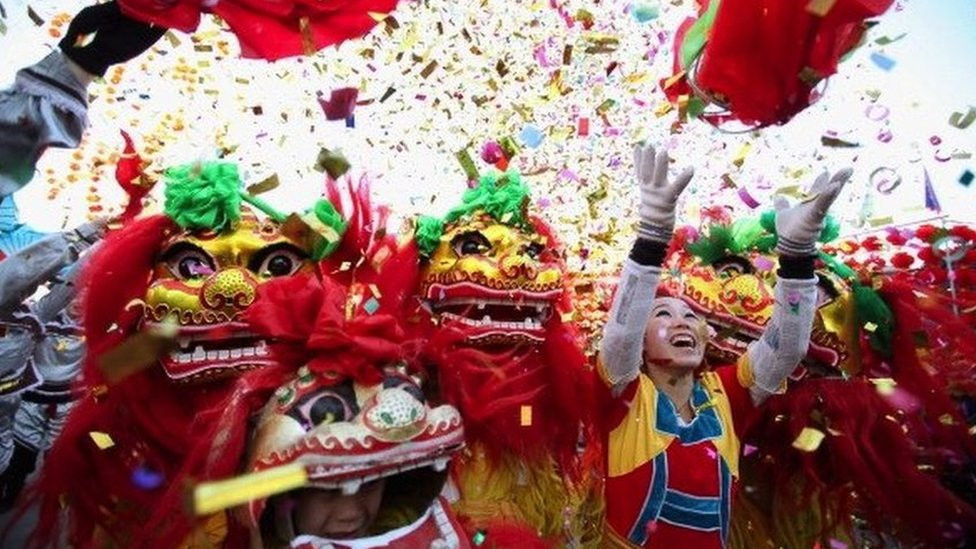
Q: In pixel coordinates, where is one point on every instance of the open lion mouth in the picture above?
(215, 352)
(496, 320)
(495, 312)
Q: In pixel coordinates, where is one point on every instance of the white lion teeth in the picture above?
(350, 487)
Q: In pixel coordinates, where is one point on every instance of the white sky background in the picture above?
(407, 143)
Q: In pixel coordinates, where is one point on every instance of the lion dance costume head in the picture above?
(494, 285)
(868, 385)
(169, 354)
(355, 416)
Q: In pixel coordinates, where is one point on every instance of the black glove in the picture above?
(117, 38)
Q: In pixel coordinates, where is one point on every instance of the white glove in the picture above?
(799, 227)
(658, 198)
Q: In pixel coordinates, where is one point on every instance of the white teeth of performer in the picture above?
(184, 342)
(235, 353)
(247, 351)
(211, 355)
(350, 487)
(481, 304)
(440, 464)
(199, 353)
(223, 354)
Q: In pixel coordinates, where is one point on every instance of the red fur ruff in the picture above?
(507, 535)
(866, 464)
(550, 381)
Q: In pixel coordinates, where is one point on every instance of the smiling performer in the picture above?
(673, 427)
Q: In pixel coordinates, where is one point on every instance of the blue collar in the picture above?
(704, 426)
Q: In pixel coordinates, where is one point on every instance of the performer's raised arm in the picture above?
(48, 103)
(784, 342)
(623, 334)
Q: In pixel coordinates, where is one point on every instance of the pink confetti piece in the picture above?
(877, 113)
(340, 104)
(747, 198)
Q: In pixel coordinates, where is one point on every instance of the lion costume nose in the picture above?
(229, 288)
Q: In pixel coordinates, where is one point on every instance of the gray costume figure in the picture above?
(40, 344)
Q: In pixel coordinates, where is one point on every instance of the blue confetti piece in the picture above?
(531, 136)
(643, 13)
(884, 62)
(966, 178)
(371, 305)
(147, 479)
(351, 121)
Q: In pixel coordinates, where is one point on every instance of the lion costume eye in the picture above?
(188, 262)
(322, 407)
(731, 266)
(470, 243)
(534, 250)
(277, 260)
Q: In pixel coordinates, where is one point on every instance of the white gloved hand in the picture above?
(658, 198)
(799, 227)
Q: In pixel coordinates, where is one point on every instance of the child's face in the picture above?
(331, 514)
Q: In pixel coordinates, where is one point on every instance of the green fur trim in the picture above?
(870, 308)
(327, 224)
(203, 196)
(713, 247)
(501, 195)
(745, 233)
(428, 234)
(831, 229)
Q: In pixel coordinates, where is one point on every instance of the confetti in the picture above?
(428, 69)
(146, 478)
(829, 141)
(135, 354)
(265, 185)
(467, 164)
(747, 198)
(371, 306)
(331, 162)
(809, 439)
(884, 62)
(885, 40)
(885, 179)
(479, 538)
(884, 385)
(820, 8)
(210, 497)
(583, 127)
(645, 12)
(740, 157)
(962, 121)
(525, 415)
(37, 19)
(341, 103)
(531, 136)
(102, 440)
(966, 178)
